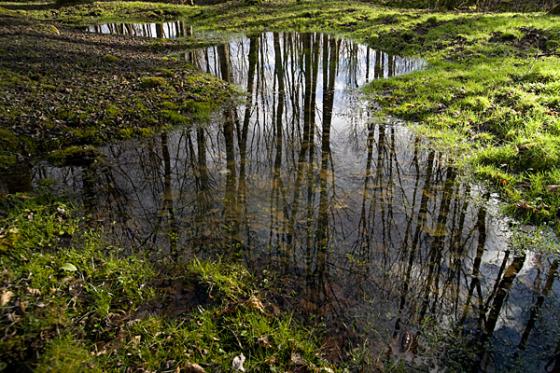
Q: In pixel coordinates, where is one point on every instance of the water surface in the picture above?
(167, 30)
(368, 228)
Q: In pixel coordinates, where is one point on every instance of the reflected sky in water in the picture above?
(370, 228)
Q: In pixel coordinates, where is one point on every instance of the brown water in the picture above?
(365, 226)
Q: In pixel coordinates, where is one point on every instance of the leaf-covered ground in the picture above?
(63, 87)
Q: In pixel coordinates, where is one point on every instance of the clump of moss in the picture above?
(73, 156)
(66, 354)
(166, 72)
(9, 145)
(175, 117)
(224, 281)
(151, 82)
(7, 160)
(111, 58)
(112, 112)
(200, 111)
(72, 2)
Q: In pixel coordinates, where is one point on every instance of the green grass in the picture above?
(106, 12)
(503, 102)
(58, 285)
(70, 302)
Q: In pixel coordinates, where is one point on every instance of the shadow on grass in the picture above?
(30, 6)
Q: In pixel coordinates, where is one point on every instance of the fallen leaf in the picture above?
(237, 363)
(523, 205)
(256, 304)
(34, 291)
(264, 342)
(54, 30)
(136, 340)
(13, 317)
(193, 368)
(6, 297)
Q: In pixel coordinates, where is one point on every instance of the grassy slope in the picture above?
(492, 89)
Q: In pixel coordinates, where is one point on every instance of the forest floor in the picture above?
(65, 87)
(491, 96)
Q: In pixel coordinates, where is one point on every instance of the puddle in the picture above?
(368, 228)
(167, 30)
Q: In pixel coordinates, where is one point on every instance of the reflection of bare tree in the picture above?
(372, 227)
(173, 29)
(322, 235)
(475, 276)
(537, 306)
(502, 291)
(230, 197)
(431, 292)
(420, 226)
(554, 363)
(167, 207)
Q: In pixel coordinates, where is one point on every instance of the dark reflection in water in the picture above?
(369, 227)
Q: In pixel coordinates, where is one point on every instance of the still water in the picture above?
(366, 226)
(168, 30)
